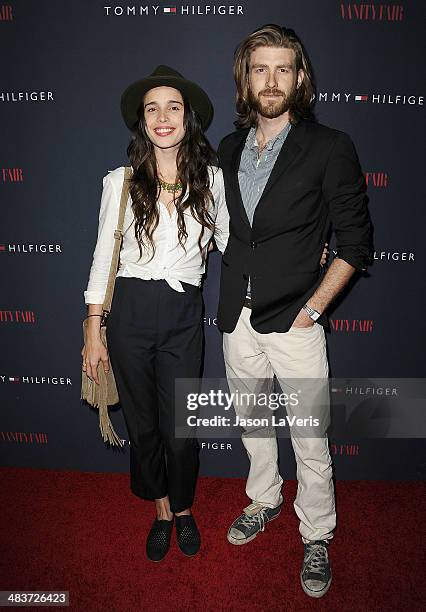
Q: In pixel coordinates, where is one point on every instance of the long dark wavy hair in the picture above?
(272, 35)
(194, 156)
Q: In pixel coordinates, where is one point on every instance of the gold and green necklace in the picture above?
(170, 187)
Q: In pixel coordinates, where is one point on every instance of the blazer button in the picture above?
(253, 245)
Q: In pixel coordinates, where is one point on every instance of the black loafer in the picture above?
(188, 536)
(158, 540)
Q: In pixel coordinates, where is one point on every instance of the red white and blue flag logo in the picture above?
(171, 10)
(361, 98)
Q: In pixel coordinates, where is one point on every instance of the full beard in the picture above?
(273, 108)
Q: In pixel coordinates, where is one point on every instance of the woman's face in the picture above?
(164, 112)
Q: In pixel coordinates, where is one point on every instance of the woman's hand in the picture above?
(92, 352)
(325, 252)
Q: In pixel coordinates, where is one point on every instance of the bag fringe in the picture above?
(105, 393)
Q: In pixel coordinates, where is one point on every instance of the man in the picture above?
(287, 181)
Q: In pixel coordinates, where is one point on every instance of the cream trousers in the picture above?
(251, 360)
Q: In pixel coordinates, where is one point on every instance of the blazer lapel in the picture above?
(286, 157)
(235, 164)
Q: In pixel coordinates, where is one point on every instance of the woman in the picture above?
(154, 330)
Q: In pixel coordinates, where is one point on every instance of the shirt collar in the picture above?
(251, 142)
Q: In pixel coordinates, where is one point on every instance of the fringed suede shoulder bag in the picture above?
(105, 394)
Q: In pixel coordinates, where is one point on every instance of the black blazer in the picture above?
(316, 183)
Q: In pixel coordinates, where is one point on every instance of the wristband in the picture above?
(313, 314)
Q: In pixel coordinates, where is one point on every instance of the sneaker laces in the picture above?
(316, 559)
(259, 518)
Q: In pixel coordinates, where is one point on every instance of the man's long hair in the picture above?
(272, 36)
(194, 156)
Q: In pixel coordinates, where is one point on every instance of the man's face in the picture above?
(273, 80)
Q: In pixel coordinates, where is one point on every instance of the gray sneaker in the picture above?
(253, 520)
(316, 573)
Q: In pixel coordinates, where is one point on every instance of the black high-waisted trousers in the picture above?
(155, 335)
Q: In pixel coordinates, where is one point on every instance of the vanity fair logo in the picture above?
(17, 316)
(6, 12)
(364, 98)
(360, 11)
(352, 325)
(26, 96)
(12, 175)
(376, 179)
(345, 450)
(36, 380)
(28, 249)
(24, 437)
(173, 9)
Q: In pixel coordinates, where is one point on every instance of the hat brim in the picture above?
(133, 95)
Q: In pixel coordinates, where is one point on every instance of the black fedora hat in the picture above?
(165, 76)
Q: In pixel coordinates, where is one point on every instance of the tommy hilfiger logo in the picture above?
(390, 255)
(26, 96)
(393, 256)
(364, 98)
(172, 9)
(36, 380)
(216, 446)
(30, 248)
(365, 390)
(210, 321)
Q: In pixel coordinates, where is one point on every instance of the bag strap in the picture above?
(118, 238)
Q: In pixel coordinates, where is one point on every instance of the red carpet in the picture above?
(85, 533)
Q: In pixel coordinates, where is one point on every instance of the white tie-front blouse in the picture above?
(170, 261)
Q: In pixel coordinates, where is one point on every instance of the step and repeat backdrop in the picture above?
(64, 66)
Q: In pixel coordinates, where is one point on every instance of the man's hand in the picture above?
(303, 319)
